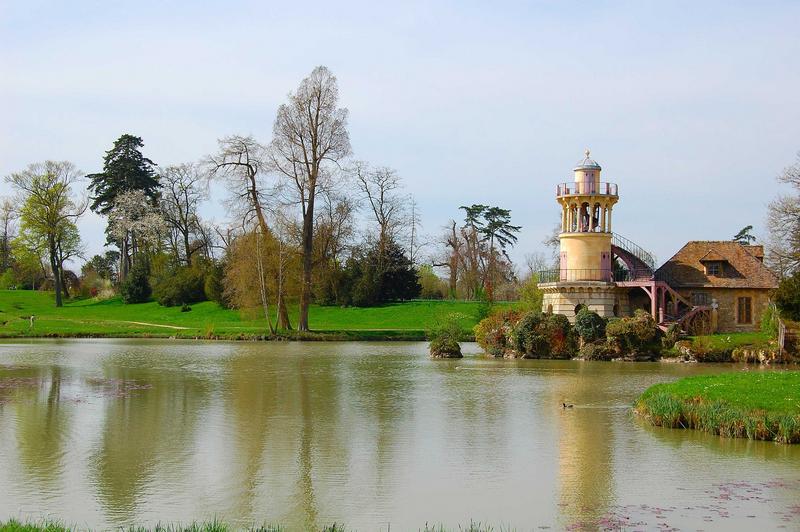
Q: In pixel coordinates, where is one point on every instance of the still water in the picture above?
(105, 433)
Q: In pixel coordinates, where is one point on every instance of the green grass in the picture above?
(112, 318)
(760, 405)
(725, 341)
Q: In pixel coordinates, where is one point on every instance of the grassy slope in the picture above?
(745, 404)
(112, 318)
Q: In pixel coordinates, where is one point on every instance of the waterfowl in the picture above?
(565, 405)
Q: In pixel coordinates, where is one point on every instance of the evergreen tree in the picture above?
(744, 236)
(124, 169)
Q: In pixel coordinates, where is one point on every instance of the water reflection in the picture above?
(150, 417)
(586, 438)
(109, 433)
(41, 426)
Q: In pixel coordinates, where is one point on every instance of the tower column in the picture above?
(609, 219)
(603, 218)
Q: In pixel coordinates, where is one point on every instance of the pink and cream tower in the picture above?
(585, 276)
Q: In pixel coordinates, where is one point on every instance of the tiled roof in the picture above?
(743, 269)
(713, 256)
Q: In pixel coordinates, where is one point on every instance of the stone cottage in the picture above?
(729, 277)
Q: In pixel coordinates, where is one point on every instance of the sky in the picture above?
(692, 108)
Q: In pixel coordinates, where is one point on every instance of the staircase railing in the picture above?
(634, 249)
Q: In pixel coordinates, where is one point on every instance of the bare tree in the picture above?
(453, 259)
(783, 223)
(536, 262)
(379, 188)
(241, 162)
(8, 217)
(184, 187)
(415, 242)
(310, 132)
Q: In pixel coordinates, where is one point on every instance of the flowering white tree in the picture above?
(136, 223)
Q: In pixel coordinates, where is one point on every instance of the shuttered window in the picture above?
(744, 310)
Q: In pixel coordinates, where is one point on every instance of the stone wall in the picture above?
(727, 300)
(562, 298)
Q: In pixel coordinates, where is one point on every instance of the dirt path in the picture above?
(156, 325)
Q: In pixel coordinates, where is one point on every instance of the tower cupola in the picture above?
(587, 174)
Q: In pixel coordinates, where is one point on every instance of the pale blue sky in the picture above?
(692, 108)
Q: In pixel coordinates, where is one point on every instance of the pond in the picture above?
(105, 433)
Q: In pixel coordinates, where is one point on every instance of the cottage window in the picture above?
(744, 310)
(714, 268)
(701, 299)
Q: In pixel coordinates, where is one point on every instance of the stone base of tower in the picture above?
(607, 299)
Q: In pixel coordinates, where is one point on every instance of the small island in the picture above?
(746, 404)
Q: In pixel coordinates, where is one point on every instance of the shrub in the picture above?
(527, 335)
(598, 350)
(634, 336)
(212, 285)
(445, 337)
(180, 286)
(672, 335)
(787, 297)
(589, 325)
(7, 279)
(493, 333)
(136, 287)
(560, 336)
(769, 320)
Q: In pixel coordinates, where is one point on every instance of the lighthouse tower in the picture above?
(585, 275)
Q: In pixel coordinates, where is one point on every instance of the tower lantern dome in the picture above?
(587, 170)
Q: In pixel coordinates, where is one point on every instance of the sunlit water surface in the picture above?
(105, 433)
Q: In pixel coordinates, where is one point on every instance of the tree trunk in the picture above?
(186, 247)
(56, 273)
(64, 287)
(123, 260)
(308, 236)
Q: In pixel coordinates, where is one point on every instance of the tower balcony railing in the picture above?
(575, 275)
(602, 275)
(585, 188)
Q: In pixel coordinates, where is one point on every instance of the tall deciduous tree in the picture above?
(310, 132)
(499, 231)
(8, 216)
(183, 189)
(124, 169)
(783, 223)
(49, 213)
(241, 163)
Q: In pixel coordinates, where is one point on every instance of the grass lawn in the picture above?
(207, 319)
(754, 404)
(723, 341)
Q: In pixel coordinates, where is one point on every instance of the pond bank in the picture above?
(747, 404)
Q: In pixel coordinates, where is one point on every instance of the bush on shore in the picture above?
(527, 335)
(636, 337)
(590, 325)
(493, 332)
(446, 336)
